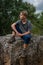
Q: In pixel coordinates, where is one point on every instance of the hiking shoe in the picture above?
(12, 39)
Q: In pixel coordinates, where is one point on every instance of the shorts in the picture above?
(26, 38)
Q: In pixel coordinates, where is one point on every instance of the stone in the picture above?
(11, 54)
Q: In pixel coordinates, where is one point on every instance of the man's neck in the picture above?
(24, 21)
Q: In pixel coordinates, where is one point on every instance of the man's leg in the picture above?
(26, 39)
(13, 33)
(24, 52)
(25, 46)
(12, 39)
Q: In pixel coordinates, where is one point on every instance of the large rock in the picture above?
(13, 52)
(1, 55)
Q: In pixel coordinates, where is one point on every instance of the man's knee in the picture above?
(13, 33)
(27, 36)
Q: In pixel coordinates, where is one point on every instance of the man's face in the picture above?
(22, 17)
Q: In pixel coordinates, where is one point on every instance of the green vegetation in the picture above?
(9, 13)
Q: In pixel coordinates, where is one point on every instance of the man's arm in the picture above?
(14, 28)
(26, 33)
(19, 34)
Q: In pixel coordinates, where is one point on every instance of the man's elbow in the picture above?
(13, 25)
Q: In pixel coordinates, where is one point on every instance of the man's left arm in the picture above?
(28, 32)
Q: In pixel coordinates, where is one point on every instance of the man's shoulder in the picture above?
(29, 22)
(18, 21)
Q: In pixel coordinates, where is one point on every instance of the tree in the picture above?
(9, 13)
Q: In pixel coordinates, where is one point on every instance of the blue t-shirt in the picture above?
(24, 27)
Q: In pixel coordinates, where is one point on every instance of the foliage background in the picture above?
(9, 13)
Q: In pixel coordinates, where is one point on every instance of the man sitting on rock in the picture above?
(22, 28)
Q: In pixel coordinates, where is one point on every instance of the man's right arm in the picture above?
(13, 27)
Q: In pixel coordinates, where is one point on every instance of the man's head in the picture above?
(23, 15)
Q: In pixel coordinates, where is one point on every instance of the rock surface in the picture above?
(11, 54)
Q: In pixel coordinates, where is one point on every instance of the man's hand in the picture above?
(19, 34)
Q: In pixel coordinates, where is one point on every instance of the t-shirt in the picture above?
(24, 27)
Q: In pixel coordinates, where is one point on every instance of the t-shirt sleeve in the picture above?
(17, 22)
(29, 26)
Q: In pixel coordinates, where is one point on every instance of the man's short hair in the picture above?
(25, 13)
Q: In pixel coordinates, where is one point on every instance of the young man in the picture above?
(22, 28)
